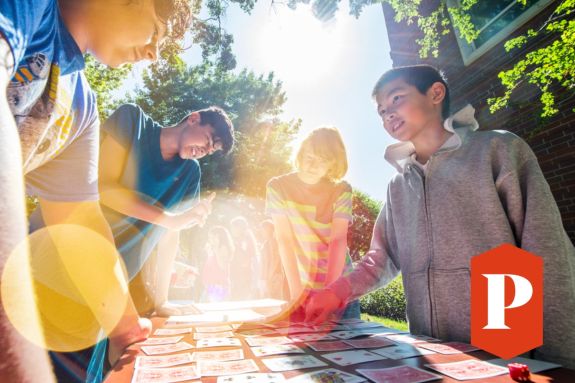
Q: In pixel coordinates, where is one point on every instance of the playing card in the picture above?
(261, 377)
(331, 327)
(348, 334)
(267, 340)
(162, 361)
(165, 375)
(448, 348)
(402, 351)
(296, 362)
(400, 374)
(371, 342)
(208, 368)
(311, 337)
(411, 339)
(535, 366)
(157, 341)
(195, 318)
(218, 342)
(166, 348)
(468, 369)
(336, 345)
(210, 335)
(346, 358)
(295, 330)
(258, 332)
(221, 328)
(277, 349)
(327, 375)
(172, 331)
(220, 356)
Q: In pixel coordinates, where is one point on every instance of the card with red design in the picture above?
(267, 340)
(209, 335)
(336, 345)
(346, 358)
(371, 342)
(157, 341)
(219, 356)
(165, 375)
(227, 368)
(296, 362)
(166, 348)
(277, 349)
(218, 342)
(221, 328)
(162, 360)
(468, 369)
(172, 331)
(448, 348)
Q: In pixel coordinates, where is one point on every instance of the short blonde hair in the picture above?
(325, 142)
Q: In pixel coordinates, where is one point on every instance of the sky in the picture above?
(327, 71)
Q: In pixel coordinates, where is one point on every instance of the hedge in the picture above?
(387, 302)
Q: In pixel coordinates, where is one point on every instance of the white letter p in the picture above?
(496, 298)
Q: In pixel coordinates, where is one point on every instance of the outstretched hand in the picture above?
(320, 305)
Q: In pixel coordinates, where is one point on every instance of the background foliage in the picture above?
(388, 302)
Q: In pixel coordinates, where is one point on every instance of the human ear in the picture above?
(437, 92)
(194, 118)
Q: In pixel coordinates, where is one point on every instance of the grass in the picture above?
(399, 325)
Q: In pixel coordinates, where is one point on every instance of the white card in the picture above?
(468, 369)
(227, 368)
(261, 377)
(311, 337)
(402, 351)
(221, 328)
(267, 340)
(347, 358)
(157, 341)
(327, 375)
(218, 342)
(296, 362)
(411, 339)
(166, 348)
(165, 375)
(210, 335)
(448, 348)
(172, 331)
(349, 334)
(157, 361)
(220, 356)
(276, 349)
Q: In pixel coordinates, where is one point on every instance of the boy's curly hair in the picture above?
(177, 15)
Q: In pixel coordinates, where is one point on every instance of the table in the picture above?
(123, 370)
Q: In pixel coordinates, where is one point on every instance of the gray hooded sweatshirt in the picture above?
(479, 190)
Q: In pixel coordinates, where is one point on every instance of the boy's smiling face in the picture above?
(406, 112)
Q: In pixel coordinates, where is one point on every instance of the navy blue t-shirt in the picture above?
(173, 184)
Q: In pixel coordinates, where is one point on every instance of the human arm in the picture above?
(113, 159)
(286, 245)
(377, 268)
(337, 249)
(99, 281)
(17, 354)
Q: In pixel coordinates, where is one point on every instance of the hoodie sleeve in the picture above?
(536, 222)
(378, 267)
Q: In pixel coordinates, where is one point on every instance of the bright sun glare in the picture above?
(299, 47)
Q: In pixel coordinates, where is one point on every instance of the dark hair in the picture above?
(177, 15)
(420, 76)
(223, 127)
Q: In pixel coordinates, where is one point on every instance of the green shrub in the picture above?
(388, 302)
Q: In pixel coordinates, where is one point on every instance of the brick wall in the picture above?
(552, 140)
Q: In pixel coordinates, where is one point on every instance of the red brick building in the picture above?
(472, 70)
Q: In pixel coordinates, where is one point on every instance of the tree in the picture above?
(253, 102)
(548, 68)
(365, 211)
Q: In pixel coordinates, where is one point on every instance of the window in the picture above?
(495, 21)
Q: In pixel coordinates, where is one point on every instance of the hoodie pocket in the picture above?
(450, 292)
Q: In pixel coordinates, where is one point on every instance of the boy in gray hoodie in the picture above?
(457, 194)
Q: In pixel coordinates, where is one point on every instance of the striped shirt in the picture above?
(310, 210)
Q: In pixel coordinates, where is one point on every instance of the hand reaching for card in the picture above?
(320, 305)
(197, 215)
(120, 342)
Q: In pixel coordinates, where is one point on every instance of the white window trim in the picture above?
(469, 54)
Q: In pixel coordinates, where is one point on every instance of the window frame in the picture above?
(470, 54)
